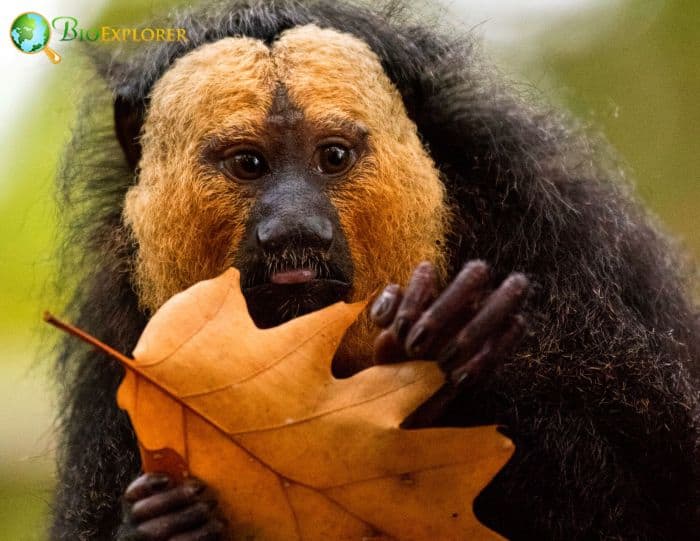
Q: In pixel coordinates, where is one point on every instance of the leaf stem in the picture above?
(88, 338)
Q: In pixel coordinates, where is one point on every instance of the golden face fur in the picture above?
(188, 218)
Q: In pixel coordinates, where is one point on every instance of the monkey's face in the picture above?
(294, 162)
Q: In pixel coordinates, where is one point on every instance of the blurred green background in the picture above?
(628, 68)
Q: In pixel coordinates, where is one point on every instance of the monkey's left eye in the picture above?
(244, 165)
(334, 159)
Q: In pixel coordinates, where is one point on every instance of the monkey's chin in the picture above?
(272, 304)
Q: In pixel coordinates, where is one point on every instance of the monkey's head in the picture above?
(294, 161)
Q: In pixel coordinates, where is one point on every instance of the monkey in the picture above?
(332, 150)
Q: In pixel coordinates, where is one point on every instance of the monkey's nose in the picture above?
(277, 233)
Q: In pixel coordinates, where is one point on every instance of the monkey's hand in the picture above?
(468, 328)
(156, 509)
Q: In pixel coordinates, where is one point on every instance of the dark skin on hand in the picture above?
(469, 329)
(157, 509)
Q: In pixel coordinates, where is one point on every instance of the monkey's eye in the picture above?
(334, 159)
(244, 165)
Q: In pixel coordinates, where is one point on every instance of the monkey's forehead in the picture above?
(232, 82)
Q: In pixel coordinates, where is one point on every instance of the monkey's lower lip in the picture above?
(293, 276)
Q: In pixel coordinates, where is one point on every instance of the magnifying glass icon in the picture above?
(30, 32)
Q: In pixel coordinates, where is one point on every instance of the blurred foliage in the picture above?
(636, 79)
(23, 504)
(27, 214)
(640, 85)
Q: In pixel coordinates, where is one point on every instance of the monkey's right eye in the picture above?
(244, 165)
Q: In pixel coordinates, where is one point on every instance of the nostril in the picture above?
(322, 228)
(269, 232)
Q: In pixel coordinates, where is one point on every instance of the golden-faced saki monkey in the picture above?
(334, 151)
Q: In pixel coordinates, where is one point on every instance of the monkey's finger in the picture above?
(417, 296)
(494, 351)
(385, 306)
(452, 309)
(211, 531)
(166, 526)
(499, 306)
(167, 501)
(388, 349)
(489, 357)
(146, 485)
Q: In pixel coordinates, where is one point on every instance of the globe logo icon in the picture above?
(30, 32)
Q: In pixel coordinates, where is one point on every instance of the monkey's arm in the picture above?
(600, 433)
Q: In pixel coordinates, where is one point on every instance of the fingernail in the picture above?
(194, 487)
(424, 267)
(476, 267)
(460, 377)
(160, 480)
(416, 343)
(381, 306)
(402, 326)
(518, 282)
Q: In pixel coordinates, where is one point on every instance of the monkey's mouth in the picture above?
(293, 276)
(277, 291)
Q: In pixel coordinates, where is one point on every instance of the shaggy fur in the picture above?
(391, 206)
(600, 400)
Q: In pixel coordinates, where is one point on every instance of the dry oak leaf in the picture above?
(292, 452)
